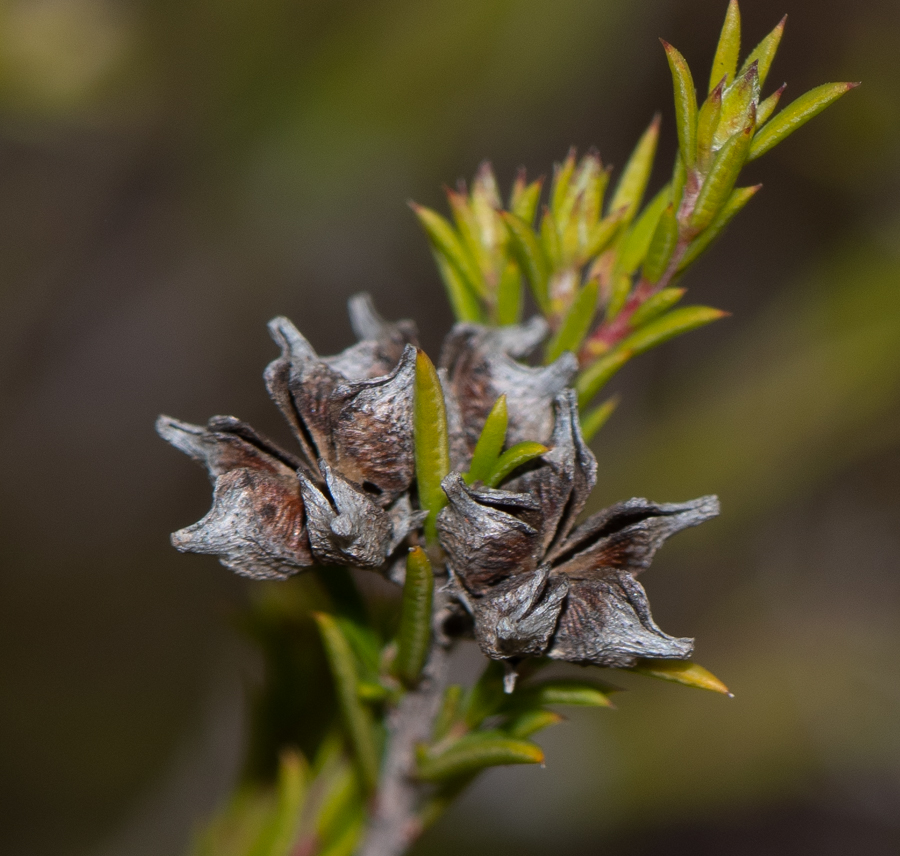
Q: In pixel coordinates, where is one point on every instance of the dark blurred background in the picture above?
(174, 173)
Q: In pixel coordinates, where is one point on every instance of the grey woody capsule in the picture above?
(536, 585)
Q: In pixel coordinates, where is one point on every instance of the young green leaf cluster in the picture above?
(603, 270)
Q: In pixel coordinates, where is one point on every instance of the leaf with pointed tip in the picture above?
(509, 295)
(445, 240)
(729, 47)
(707, 122)
(565, 692)
(795, 115)
(463, 300)
(738, 199)
(601, 234)
(529, 722)
(530, 255)
(414, 635)
(669, 326)
(576, 323)
(340, 795)
(524, 199)
(620, 288)
(356, 717)
(682, 672)
(559, 190)
(662, 246)
(654, 306)
(637, 239)
(765, 52)
(449, 713)
(597, 417)
(490, 442)
(276, 838)
(469, 232)
(685, 104)
(512, 459)
(599, 373)
(432, 447)
(723, 175)
(477, 751)
(738, 107)
(550, 239)
(767, 107)
(486, 696)
(633, 182)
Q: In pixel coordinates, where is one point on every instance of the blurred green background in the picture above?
(174, 173)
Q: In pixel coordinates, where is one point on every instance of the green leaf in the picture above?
(528, 252)
(528, 722)
(662, 246)
(559, 190)
(720, 182)
(463, 300)
(512, 459)
(685, 104)
(654, 306)
(469, 231)
(796, 114)
(277, 836)
(449, 712)
(738, 199)
(348, 838)
(431, 441)
(765, 52)
(620, 288)
(490, 443)
(726, 58)
(576, 323)
(445, 240)
(682, 672)
(509, 295)
(356, 716)
(767, 107)
(602, 234)
(476, 751)
(707, 123)
(669, 326)
(738, 107)
(595, 419)
(599, 373)
(550, 240)
(524, 198)
(630, 190)
(567, 692)
(486, 696)
(637, 239)
(414, 635)
(340, 795)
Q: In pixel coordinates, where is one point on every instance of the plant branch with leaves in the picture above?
(463, 483)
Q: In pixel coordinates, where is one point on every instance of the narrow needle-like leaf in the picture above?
(767, 107)
(444, 239)
(597, 417)
(476, 751)
(796, 114)
(654, 306)
(685, 104)
(490, 442)
(599, 373)
(630, 190)
(566, 692)
(530, 256)
(529, 722)
(682, 672)
(512, 459)
(765, 51)
(576, 323)
(431, 441)
(662, 246)
(524, 198)
(277, 836)
(636, 242)
(414, 635)
(465, 303)
(673, 324)
(726, 58)
(356, 716)
(721, 180)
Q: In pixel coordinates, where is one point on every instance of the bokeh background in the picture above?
(173, 173)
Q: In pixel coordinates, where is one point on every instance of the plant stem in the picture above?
(395, 820)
